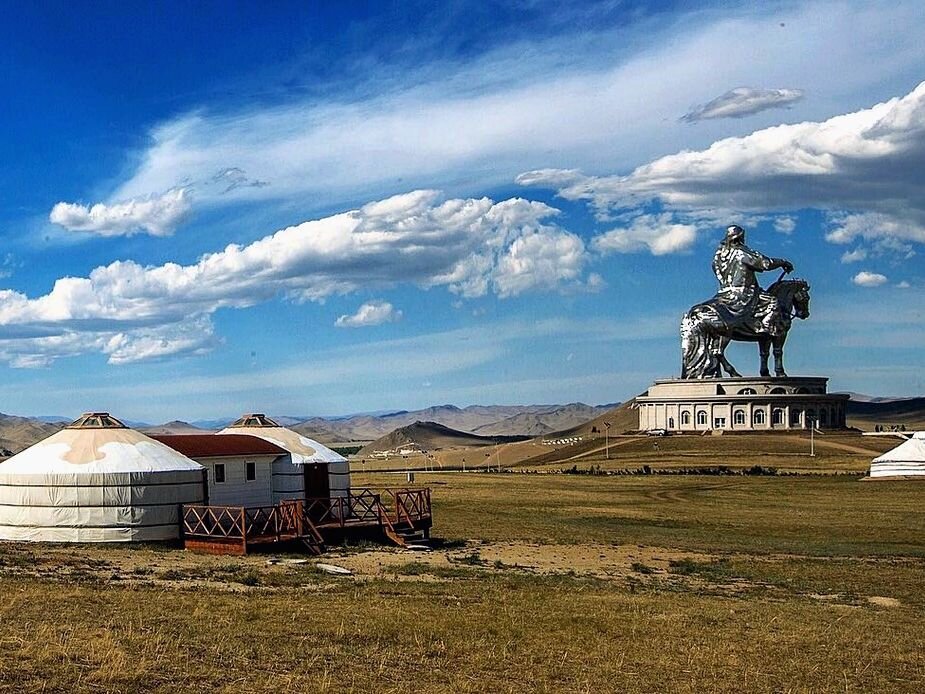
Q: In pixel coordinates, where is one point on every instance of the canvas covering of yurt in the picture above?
(906, 460)
(96, 480)
(303, 451)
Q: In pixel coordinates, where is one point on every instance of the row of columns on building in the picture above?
(787, 416)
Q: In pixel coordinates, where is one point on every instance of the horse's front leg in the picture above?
(764, 351)
(779, 356)
(723, 362)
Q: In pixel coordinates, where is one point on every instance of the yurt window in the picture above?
(219, 473)
(250, 471)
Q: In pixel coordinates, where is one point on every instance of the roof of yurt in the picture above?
(96, 480)
(302, 448)
(909, 451)
(97, 443)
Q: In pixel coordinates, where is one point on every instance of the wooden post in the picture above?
(243, 524)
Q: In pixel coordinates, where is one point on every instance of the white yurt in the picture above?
(313, 469)
(96, 480)
(906, 460)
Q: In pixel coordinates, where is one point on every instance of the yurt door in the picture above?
(317, 486)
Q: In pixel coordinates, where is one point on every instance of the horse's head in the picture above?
(792, 296)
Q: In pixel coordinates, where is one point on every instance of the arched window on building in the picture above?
(671, 422)
(748, 391)
(777, 391)
(811, 420)
(702, 417)
(758, 417)
(777, 416)
(685, 418)
(795, 417)
(738, 418)
(802, 390)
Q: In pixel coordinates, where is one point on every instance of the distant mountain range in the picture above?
(487, 421)
(482, 420)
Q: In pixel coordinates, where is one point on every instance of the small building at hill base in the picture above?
(96, 480)
(906, 460)
(741, 404)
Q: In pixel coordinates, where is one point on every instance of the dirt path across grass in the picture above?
(847, 447)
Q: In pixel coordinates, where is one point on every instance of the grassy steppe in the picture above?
(629, 584)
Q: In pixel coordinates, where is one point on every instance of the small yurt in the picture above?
(96, 480)
(906, 460)
(311, 469)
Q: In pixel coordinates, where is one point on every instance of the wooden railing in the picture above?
(371, 506)
(406, 504)
(236, 526)
(243, 524)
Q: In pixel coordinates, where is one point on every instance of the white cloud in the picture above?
(656, 233)
(855, 256)
(869, 279)
(577, 99)
(743, 101)
(132, 312)
(785, 224)
(191, 337)
(371, 313)
(904, 285)
(876, 226)
(541, 259)
(157, 215)
(863, 167)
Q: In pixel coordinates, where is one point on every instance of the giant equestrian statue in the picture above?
(741, 310)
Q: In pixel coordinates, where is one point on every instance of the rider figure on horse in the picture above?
(741, 302)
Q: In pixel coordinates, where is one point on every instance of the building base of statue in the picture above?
(741, 404)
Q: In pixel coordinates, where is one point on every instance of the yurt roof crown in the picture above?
(96, 420)
(255, 420)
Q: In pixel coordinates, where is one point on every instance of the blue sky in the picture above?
(324, 208)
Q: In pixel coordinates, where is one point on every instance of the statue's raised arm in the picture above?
(740, 310)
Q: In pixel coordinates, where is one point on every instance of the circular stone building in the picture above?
(741, 404)
(96, 480)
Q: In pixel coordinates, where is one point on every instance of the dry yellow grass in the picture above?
(636, 584)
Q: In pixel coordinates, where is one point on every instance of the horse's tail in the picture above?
(695, 350)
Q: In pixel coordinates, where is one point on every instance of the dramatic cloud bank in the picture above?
(577, 99)
(370, 313)
(133, 312)
(863, 168)
(743, 101)
(154, 215)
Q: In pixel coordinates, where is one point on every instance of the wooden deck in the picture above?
(389, 513)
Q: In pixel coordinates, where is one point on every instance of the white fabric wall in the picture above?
(113, 507)
(288, 480)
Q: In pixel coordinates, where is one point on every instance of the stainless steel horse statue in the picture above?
(741, 310)
(705, 336)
